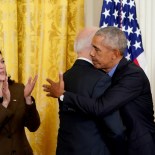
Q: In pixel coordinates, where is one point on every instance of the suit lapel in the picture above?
(83, 63)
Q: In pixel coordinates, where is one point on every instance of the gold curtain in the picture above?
(36, 37)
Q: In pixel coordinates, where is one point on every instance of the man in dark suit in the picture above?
(81, 134)
(130, 92)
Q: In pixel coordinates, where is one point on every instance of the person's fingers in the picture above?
(61, 81)
(49, 81)
(60, 78)
(49, 95)
(46, 86)
(29, 80)
(5, 84)
(35, 79)
(46, 90)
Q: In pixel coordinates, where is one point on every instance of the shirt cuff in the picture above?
(61, 97)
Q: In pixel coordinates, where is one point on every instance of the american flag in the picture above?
(122, 14)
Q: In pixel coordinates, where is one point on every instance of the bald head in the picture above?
(84, 38)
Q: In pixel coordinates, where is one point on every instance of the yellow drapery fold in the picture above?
(36, 37)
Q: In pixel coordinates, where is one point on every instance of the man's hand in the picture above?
(55, 89)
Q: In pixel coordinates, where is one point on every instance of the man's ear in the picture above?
(116, 54)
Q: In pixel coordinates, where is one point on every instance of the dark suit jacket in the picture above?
(130, 91)
(13, 119)
(81, 134)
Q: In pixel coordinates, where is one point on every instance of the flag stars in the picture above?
(128, 56)
(131, 3)
(123, 29)
(108, 1)
(124, 2)
(129, 30)
(137, 32)
(130, 17)
(115, 25)
(116, 1)
(104, 25)
(123, 15)
(137, 45)
(106, 13)
(129, 44)
(115, 14)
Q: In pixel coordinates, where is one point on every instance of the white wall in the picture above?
(146, 18)
(92, 12)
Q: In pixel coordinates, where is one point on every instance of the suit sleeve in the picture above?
(101, 86)
(32, 119)
(126, 89)
(111, 124)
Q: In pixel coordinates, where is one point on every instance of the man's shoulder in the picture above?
(127, 66)
(85, 69)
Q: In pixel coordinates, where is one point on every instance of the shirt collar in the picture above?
(82, 58)
(111, 73)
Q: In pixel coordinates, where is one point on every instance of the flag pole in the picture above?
(121, 14)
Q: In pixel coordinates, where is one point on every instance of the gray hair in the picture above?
(113, 37)
(84, 39)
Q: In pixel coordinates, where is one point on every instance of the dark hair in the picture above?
(10, 81)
